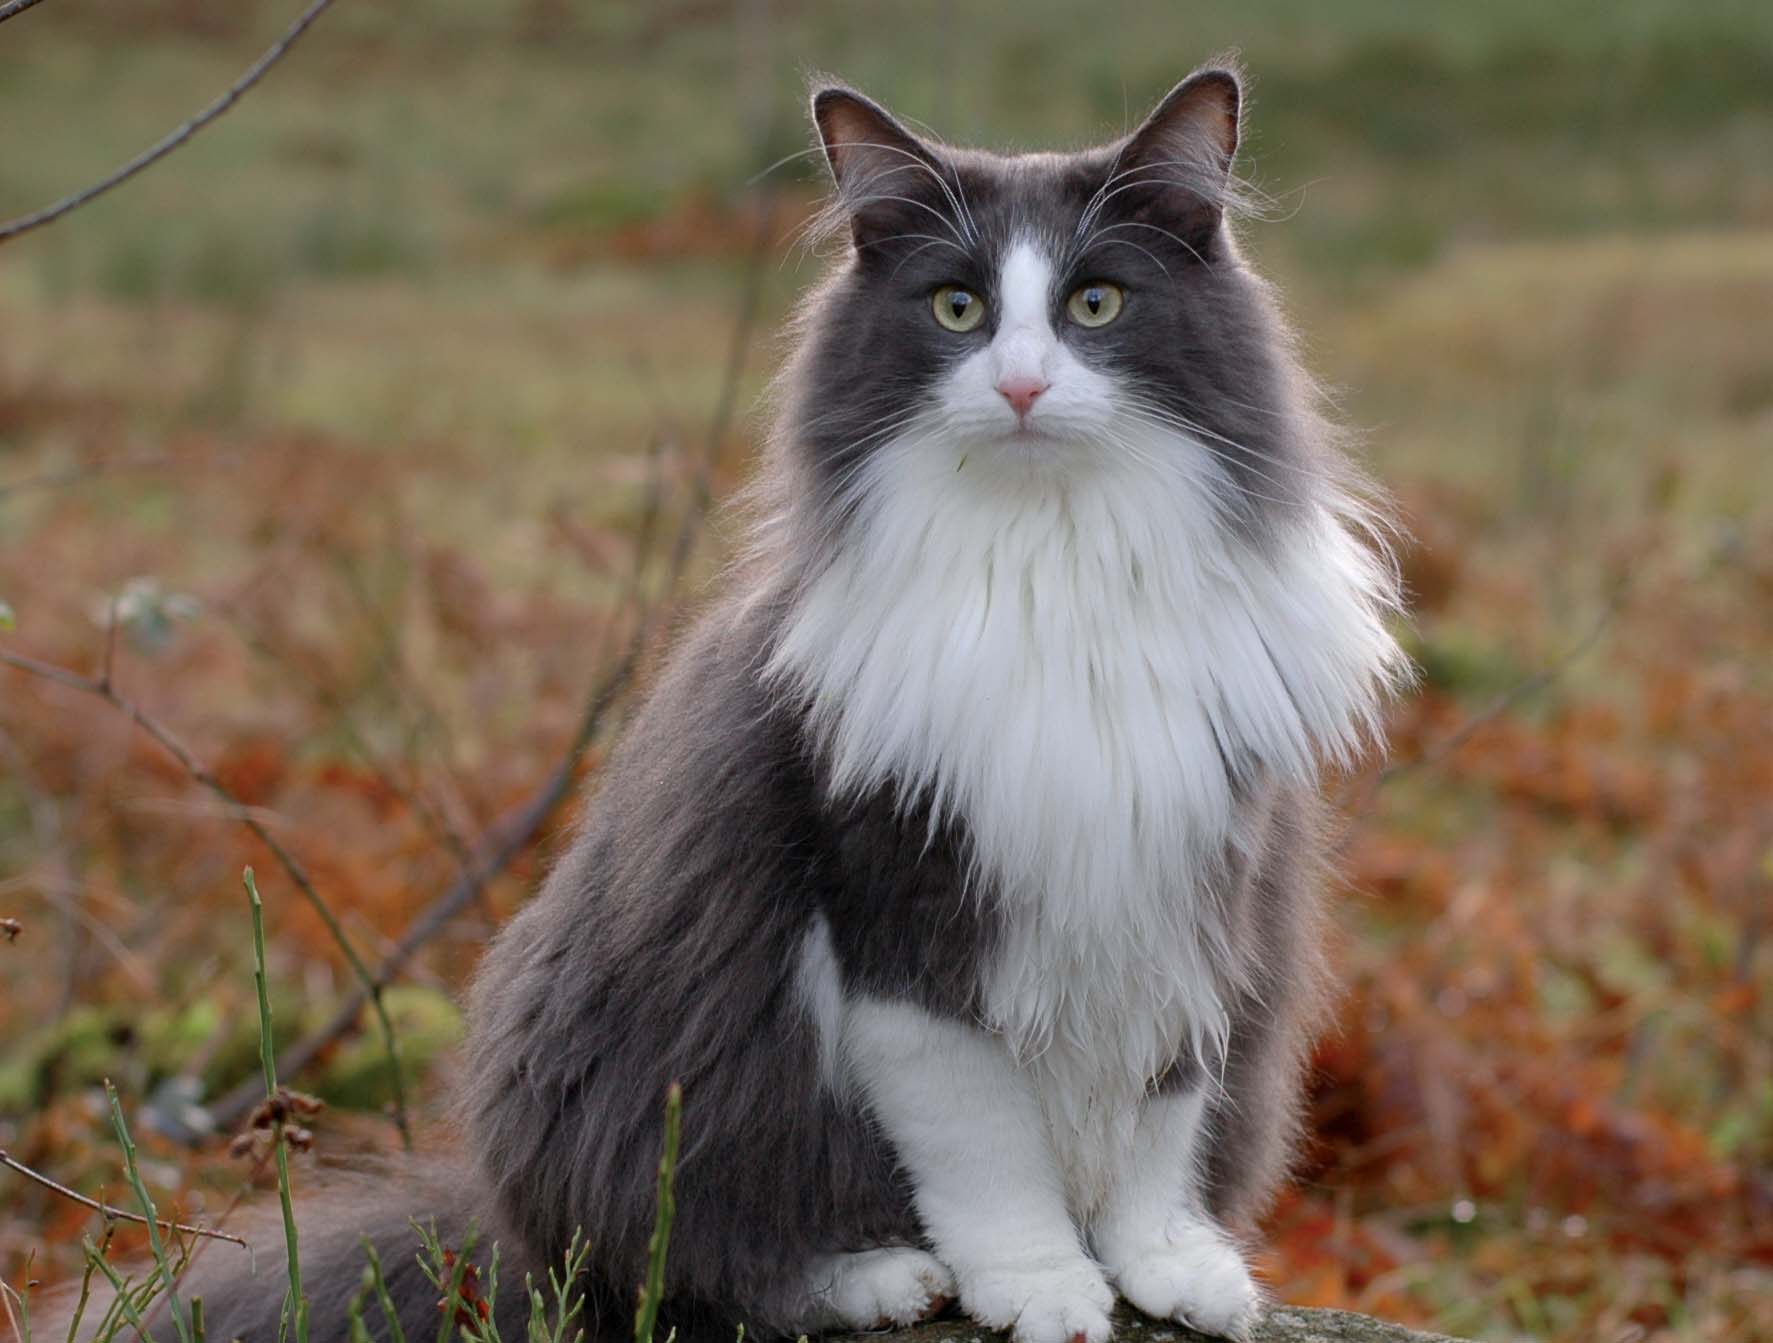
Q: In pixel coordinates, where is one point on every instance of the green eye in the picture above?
(1094, 304)
(958, 309)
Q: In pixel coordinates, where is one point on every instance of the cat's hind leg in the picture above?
(867, 1289)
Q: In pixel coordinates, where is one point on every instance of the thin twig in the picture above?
(152, 155)
(14, 7)
(106, 1210)
(298, 874)
(701, 490)
(430, 815)
(744, 330)
(393, 671)
(86, 1278)
(507, 838)
(8, 1293)
(77, 475)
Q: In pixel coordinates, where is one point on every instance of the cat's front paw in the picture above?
(1042, 1301)
(874, 1289)
(1195, 1276)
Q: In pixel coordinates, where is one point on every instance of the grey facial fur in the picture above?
(1202, 341)
(664, 946)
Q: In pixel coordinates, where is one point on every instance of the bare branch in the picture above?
(13, 8)
(154, 153)
(504, 840)
(106, 1210)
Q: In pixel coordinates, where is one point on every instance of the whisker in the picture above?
(957, 202)
(933, 242)
(1247, 465)
(1089, 211)
(1224, 493)
(1127, 242)
(967, 233)
(1210, 179)
(1164, 415)
(1133, 223)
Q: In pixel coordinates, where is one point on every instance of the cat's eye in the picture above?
(1094, 304)
(958, 309)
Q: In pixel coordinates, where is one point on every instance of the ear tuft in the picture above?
(1177, 165)
(860, 136)
(883, 172)
(1198, 119)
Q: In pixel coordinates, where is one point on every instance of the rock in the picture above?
(1282, 1324)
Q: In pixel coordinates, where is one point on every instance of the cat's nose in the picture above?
(1021, 393)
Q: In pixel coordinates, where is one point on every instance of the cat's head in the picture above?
(1049, 313)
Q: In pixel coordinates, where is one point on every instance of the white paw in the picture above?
(1195, 1276)
(1042, 1301)
(871, 1289)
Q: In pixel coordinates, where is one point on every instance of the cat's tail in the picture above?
(243, 1295)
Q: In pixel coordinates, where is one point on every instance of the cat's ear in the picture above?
(873, 160)
(1177, 165)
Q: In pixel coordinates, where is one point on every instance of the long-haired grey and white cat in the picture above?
(963, 863)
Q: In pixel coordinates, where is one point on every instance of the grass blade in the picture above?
(295, 1302)
(380, 1283)
(653, 1293)
(157, 1247)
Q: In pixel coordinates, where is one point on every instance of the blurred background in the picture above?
(359, 449)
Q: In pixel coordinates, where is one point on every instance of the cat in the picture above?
(963, 862)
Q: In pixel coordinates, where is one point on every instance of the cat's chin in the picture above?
(1041, 447)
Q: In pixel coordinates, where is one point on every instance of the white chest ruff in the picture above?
(1065, 667)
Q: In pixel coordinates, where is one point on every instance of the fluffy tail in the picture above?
(333, 1223)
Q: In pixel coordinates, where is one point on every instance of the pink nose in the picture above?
(1021, 393)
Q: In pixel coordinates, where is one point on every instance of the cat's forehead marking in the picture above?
(1024, 286)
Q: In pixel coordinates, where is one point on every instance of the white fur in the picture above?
(868, 1289)
(1024, 346)
(1153, 1234)
(1055, 636)
(971, 412)
(966, 1123)
(1193, 1274)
